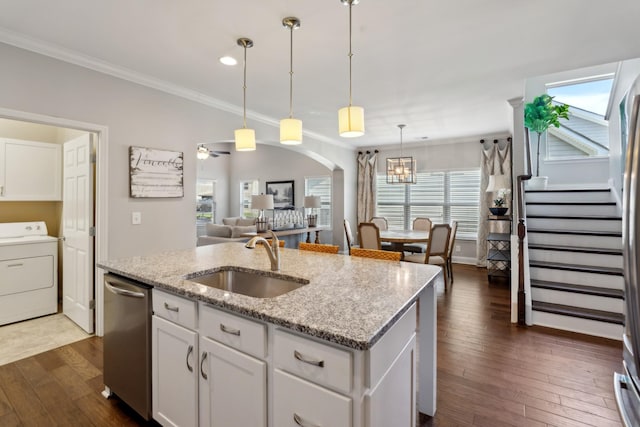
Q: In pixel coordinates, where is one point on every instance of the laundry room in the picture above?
(32, 235)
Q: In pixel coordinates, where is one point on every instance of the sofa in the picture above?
(231, 230)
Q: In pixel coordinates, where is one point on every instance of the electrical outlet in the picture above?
(457, 248)
(136, 218)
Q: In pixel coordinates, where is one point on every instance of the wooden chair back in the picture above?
(381, 222)
(318, 247)
(438, 241)
(452, 238)
(369, 236)
(377, 254)
(423, 224)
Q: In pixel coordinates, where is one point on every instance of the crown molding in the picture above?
(72, 57)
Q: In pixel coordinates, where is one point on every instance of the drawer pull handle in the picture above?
(189, 367)
(231, 331)
(171, 308)
(300, 357)
(202, 359)
(15, 265)
(302, 423)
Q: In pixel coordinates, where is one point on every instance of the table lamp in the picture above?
(262, 202)
(312, 202)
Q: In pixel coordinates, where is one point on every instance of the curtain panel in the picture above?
(367, 166)
(495, 160)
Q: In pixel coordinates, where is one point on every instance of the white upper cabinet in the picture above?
(30, 170)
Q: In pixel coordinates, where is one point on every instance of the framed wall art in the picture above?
(155, 173)
(283, 194)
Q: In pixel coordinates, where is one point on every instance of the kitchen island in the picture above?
(358, 306)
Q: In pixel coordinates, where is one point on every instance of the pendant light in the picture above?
(351, 118)
(401, 170)
(290, 128)
(245, 138)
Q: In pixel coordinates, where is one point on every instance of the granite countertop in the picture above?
(349, 300)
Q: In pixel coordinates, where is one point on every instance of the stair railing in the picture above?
(522, 231)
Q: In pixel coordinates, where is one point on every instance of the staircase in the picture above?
(575, 260)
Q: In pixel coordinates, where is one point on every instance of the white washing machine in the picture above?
(28, 271)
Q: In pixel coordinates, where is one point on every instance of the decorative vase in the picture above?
(498, 211)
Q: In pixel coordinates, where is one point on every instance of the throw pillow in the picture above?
(232, 220)
(217, 230)
(238, 231)
(243, 222)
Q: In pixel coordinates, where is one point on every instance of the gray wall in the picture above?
(138, 115)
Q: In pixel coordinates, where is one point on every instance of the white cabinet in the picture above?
(30, 170)
(212, 367)
(174, 364)
(233, 387)
(298, 402)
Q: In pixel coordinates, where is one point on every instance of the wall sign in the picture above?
(155, 173)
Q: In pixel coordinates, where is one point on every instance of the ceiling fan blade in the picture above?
(219, 152)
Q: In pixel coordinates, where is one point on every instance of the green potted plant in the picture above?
(538, 116)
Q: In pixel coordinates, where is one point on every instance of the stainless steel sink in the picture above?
(253, 284)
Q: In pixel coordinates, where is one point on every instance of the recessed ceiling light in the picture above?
(228, 60)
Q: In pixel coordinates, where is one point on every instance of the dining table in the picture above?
(398, 238)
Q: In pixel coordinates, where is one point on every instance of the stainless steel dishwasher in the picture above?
(127, 342)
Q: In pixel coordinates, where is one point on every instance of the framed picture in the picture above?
(155, 173)
(283, 194)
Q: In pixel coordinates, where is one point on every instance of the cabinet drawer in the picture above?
(318, 362)
(299, 403)
(242, 334)
(172, 307)
(25, 274)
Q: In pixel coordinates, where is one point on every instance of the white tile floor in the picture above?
(30, 337)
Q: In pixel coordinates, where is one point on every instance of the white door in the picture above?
(77, 225)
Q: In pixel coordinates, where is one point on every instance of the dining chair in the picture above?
(382, 224)
(347, 232)
(369, 236)
(376, 254)
(437, 249)
(452, 241)
(319, 247)
(419, 223)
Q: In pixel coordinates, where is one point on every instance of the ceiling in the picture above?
(445, 68)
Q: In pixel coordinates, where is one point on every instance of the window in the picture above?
(205, 201)
(320, 186)
(247, 189)
(441, 196)
(586, 133)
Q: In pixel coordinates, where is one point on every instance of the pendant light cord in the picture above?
(244, 91)
(291, 74)
(350, 52)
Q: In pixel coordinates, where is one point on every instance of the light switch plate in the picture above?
(136, 218)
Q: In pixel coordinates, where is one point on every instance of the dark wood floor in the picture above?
(490, 373)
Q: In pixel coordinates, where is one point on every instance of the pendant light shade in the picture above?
(401, 170)
(245, 138)
(351, 121)
(290, 128)
(290, 131)
(350, 118)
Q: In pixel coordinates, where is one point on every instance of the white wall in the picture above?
(137, 115)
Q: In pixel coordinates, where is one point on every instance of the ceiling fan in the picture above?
(204, 152)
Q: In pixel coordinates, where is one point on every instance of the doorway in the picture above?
(32, 127)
